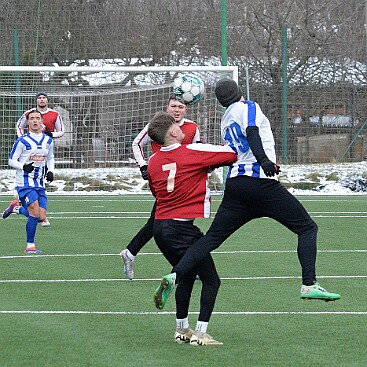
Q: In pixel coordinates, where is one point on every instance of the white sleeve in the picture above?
(50, 159)
(15, 155)
(59, 128)
(141, 140)
(197, 135)
(22, 126)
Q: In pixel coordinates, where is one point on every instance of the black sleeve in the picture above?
(255, 143)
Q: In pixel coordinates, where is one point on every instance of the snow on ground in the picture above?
(327, 178)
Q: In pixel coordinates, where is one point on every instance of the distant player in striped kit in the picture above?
(178, 178)
(29, 156)
(253, 191)
(52, 124)
(178, 110)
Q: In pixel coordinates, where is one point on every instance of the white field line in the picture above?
(159, 253)
(99, 280)
(55, 216)
(239, 313)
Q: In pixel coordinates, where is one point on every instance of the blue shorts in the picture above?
(28, 195)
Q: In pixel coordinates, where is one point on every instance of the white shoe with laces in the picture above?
(182, 336)
(128, 264)
(45, 223)
(200, 338)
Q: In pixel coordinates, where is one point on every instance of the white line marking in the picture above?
(97, 280)
(247, 313)
(158, 253)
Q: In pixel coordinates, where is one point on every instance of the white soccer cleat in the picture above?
(200, 338)
(45, 223)
(128, 265)
(183, 336)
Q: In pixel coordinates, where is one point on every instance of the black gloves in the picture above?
(49, 176)
(270, 168)
(28, 167)
(48, 132)
(144, 172)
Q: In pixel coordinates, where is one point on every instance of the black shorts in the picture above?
(174, 237)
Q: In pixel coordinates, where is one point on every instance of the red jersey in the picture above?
(188, 127)
(51, 119)
(178, 178)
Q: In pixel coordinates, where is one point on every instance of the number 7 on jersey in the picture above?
(172, 168)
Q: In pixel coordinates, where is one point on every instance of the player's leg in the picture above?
(282, 206)
(30, 200)
(231, 215)
(136, 244)
(210, 285)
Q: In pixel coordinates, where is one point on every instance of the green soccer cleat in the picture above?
(315, 291)
(162, 293)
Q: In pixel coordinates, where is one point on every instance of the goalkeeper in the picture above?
(178, 176)
(178, 110)
(253, 191)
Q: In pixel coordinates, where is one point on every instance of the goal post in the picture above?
(103, 108)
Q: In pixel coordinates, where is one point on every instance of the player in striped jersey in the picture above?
(52, 121)
(252, 191)
(178, 178)
(178, 110)
(29, 156)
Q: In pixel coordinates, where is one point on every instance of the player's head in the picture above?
(227, 91)
(176, 107)
(164, 130)
(41, 99)
(35, 121)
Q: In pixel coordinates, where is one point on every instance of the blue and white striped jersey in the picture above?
(32, 148)
(237, 118)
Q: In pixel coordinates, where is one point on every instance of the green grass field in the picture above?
(72, 306)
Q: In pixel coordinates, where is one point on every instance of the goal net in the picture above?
(103, 109)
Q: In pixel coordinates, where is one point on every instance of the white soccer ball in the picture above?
(190, 88)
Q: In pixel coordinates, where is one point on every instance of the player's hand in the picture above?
(49, 176)
(28, 167)
(270, 169)
(48, 132)
(144, 172)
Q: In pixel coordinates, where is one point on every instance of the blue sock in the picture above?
(23, 211)
(30, 228)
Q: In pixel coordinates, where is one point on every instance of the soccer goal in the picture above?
(103, 109)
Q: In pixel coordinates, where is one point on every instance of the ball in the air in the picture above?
(190, 88)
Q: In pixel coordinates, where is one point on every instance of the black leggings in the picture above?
(144, 235)
(174, 238)
(246, 198)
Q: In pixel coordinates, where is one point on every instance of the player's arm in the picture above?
(50, 163)
(59, 128)
(254, 140)
(197, 136)
(213, 155)
(21, 125)
(141, 140)
(15, 154)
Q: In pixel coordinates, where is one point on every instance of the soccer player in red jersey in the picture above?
(178, 110)
(52, 121)
(178, 178)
